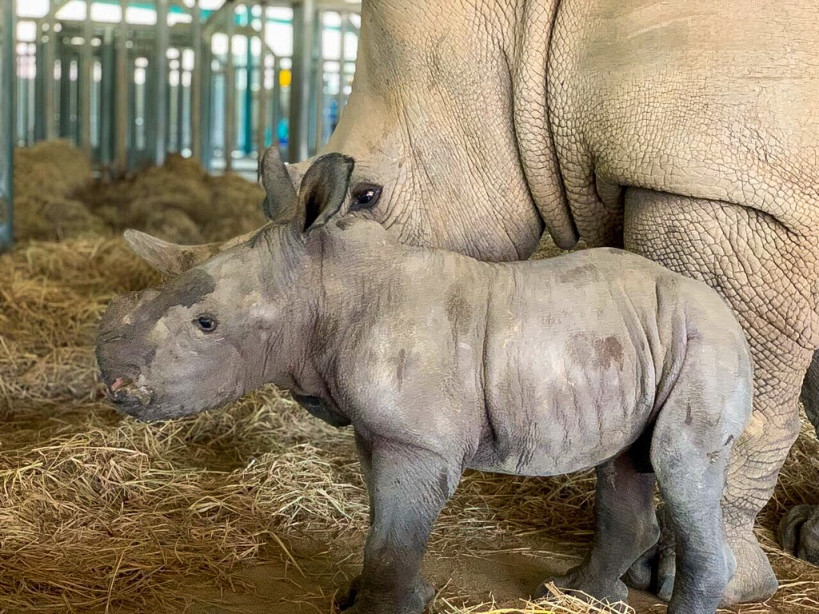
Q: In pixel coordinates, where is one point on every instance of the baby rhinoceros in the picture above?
(441, 363)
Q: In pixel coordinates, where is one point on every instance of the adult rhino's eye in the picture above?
(206, 324)
(365, 196)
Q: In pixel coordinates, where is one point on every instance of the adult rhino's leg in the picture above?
(810, 392)
(766, 273)
(799, 528)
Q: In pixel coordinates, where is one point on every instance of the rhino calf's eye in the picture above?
(206, 324)
(365, 196)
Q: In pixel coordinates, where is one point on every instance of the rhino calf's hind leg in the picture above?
(692, 490)
(693, 435)
(771, 299)
(626, 527)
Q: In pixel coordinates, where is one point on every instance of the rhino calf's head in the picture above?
(225, 327)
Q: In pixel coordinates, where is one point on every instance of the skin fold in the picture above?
(491, 366)
(686, 131)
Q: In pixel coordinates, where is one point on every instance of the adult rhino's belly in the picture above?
(560, 407)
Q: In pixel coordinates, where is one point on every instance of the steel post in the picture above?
(106, 95)
(247, 132)
(197, 98)
(49, 84)
(318, 86)
(151, 108)
(161, 76)
(85, 81)
(204, 125)
(263, 116)
(276, 110)
(8, 76)
(64, 125)
(121, 99)
(230, 93)
(304, 17)
(39, 91)
(132, 152)
(342, 61)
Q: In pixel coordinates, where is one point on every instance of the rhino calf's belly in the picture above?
(571, 415)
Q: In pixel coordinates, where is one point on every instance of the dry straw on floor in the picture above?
(99, 512)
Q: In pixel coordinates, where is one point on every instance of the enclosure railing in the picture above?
(219, 83)
(7, 118)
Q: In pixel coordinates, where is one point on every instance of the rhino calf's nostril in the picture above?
(119, 383)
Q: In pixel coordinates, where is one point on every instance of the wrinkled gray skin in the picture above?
(441, 363)
(799, 528)
(685, 130)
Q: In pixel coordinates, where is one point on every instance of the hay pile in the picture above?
(100, 513)
(57, 199)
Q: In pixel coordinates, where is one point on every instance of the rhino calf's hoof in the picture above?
(575, 580)
(349, 599)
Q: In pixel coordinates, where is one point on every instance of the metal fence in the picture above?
(130, 80)
(218, 83)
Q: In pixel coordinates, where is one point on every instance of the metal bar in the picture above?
(49, 85)
(342, 61)
(262, 120)
(151, 108)
(275, 112)
(304, 15)
(215, 19)
(196, 83)
(85, 81)
(64, 124)
(133, 149)
(204, 125)
(161, 92)
(58, 4)
(122, 92)
(8, 74)
(230, 95)
(106, 95)
(247, 137)
(180, 107)
(318, 92)
(39, 92)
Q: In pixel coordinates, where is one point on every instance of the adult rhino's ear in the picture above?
(281, 204)
(172, 259)
(324, 188)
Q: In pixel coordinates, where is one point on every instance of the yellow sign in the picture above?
(285, 77)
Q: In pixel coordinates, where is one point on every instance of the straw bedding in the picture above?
(101, 513)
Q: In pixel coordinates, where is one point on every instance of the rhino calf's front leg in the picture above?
(408, 487)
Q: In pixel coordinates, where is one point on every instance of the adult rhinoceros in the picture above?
(686, 130)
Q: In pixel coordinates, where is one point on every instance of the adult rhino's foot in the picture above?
(799, 532)
(582, 581)
(350, 599)
(753, 580)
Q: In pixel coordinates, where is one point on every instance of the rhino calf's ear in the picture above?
(324, 188)
(281, 202)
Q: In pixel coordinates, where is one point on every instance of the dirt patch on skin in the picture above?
(256, 507)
